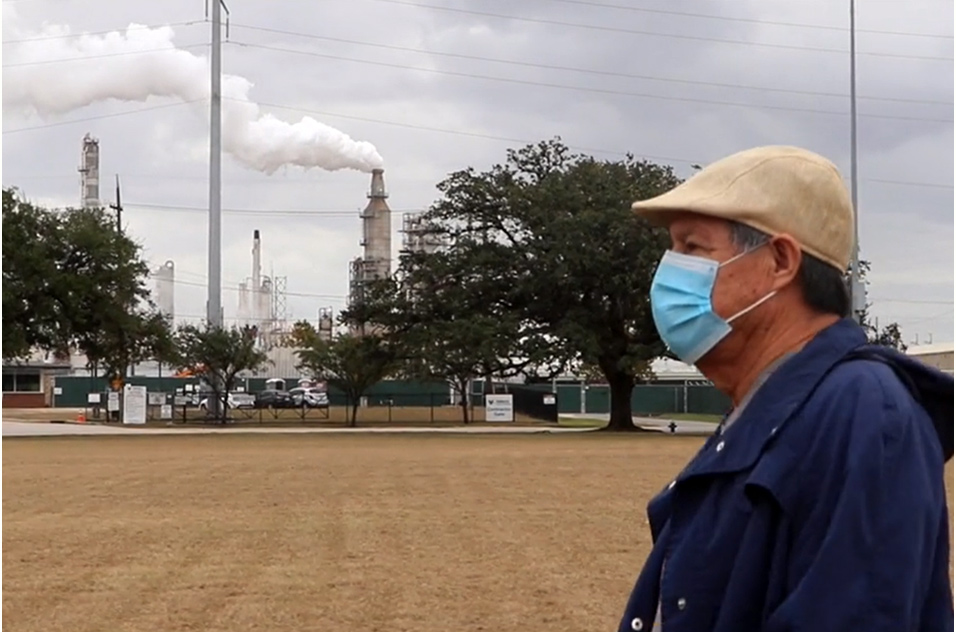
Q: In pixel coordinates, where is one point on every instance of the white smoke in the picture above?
(143, 63)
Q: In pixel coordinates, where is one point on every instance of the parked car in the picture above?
(312, 397)
(272, 398)
(234, 400)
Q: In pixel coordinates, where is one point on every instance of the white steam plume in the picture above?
(143, 63)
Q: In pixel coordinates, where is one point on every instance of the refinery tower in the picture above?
(375, 262)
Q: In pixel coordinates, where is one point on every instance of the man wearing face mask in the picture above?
(819, 502)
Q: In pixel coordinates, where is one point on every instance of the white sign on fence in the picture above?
(156, 399)
(165, 411)
(499, 408)
(92, 398)
(112, 401)
(134, 404)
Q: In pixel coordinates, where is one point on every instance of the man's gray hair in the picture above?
(824, 287)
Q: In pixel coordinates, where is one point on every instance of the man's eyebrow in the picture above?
(685, 232)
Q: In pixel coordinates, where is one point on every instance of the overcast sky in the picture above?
(438, 85)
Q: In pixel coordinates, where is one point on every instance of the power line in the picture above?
(236, 288)
(583, 89)
(272, 181)
(101, 116)
(272, 212)
(508, 139)
(71, 35)
(745, 20)
(455, 132)
(614, 29)
(305, 181)
(910, 184)
(122, 54)
(580, 70)
(910, 302)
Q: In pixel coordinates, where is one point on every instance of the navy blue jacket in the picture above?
(821, 508)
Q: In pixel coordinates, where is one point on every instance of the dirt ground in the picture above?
(328, 533)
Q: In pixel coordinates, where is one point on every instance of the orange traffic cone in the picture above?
(81, 418)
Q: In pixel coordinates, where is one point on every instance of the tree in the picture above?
(33, 316)
(548, 243)
(72, 281)
(431, 314)
(889, 335)
(218, 355)
(353, 364)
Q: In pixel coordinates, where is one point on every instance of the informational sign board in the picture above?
(57, 390)
(499, 407)
(165, 411)
(134, 404)
(181, 400)
(549, 399)
(112, 401)
(156, 399)
(93, 398)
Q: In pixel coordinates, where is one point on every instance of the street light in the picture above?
(857, 289)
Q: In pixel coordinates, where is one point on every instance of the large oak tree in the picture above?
(545, 251)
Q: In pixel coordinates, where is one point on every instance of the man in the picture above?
(819, 502)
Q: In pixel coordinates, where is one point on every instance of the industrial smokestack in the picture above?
(377, 222)
(378, 185)
(164, 293)
(90, 172)
(257, 314)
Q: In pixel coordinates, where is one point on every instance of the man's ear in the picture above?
(787, 257)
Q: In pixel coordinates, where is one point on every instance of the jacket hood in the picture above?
(932, 388)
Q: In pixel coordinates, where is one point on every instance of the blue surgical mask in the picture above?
(681, 304)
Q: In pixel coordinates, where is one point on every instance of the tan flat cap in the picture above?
(774, 189)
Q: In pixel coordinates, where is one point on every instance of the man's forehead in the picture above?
(686, 225)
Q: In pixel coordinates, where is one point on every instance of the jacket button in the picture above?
(720, 446)
(637, 625)
(681, 603)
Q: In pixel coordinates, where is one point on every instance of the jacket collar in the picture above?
(775, 402)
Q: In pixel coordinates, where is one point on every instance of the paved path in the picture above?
(41, 429)
(698, 428)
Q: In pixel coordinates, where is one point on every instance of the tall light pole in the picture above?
(214, 299)
(857, 290)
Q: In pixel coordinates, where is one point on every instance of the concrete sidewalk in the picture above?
(41, 429)
(695, 428)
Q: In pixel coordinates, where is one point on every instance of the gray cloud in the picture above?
(907, 230)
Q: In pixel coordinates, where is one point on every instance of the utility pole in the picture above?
(214, 314)
(118, 207)
(857, 289)
(214, 299)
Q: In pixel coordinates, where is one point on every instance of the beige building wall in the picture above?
(937, 356)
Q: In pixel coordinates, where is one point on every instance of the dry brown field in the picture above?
(327, 533)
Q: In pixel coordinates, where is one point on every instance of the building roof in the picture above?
(668, 368)
(930, 349)
(34, 365)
